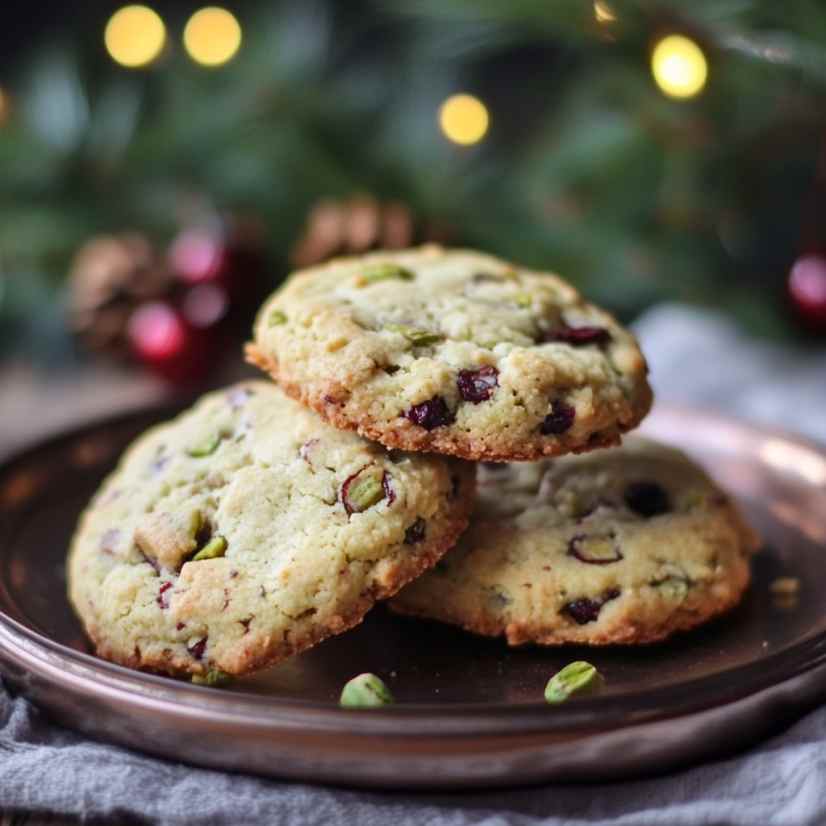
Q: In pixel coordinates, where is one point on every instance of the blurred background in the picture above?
(163, 166)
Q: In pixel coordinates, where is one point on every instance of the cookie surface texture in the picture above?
(624, 545)
(455, 352)
(247, 529)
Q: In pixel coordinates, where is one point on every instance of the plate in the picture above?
(469, 710)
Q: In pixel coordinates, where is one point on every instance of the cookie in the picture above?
(625, 545)
(247, 530)
(455, 352)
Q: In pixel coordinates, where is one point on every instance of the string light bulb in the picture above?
(603, 12)
(134, 36)
(212, 36)
(679, 67)
(464, 119)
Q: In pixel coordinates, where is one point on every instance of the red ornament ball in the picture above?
(205, 306)
(807, 289)
(165, 343)
(198, 255)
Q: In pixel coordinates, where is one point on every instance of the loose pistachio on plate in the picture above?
(577, 677)
(365, 691)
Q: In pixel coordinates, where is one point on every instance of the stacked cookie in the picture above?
(271, 516)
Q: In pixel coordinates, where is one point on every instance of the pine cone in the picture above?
(110, 276)
(357, 225)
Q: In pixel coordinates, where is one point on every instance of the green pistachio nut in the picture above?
(383, 272)
(364, 491)
(213, 678)
(416, 336)
(276, 317)
(673, 588)
(205, 448)
(365, 691)
(523, 300)
(216, 547)
(576, 678)
(196, 521)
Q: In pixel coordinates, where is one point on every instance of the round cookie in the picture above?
(247, 529)
(453, 351)
(625, 545)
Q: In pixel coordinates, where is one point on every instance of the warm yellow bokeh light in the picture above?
(679, 66)
(134, 36)
(212, 36)
(603, 12)
(464, 119)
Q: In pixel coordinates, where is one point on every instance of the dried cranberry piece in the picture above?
(595, 550)
(415, 533)
(180, 626)
(559, 420)
(577, 336)
(197, 649)
(478, 385)
(430, 414)
(585, 610)
(647, 498)
(387, 487)
(246, 623)
(161, 598)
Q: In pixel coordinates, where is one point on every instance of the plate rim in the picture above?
(18, 641)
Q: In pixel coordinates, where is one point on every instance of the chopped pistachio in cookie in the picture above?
(624, 545)
(453, 351)
(247, 529)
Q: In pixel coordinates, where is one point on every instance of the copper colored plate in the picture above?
(469, 710)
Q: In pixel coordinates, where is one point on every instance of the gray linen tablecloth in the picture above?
(696, 358)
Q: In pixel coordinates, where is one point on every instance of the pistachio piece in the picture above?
(205, 448)
(214, 678)
(576, 678)
(595, 549)
(383, 272)
(276, 317)
(523, 300)
(674, 588)
(216, 547)
(365, 691)
(196, 522)
(416, 336)
(363, 489)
